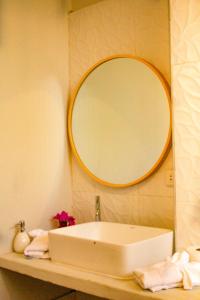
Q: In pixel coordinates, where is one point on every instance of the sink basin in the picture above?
(110, 248)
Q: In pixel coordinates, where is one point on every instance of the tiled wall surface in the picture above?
(185, 57)
(114, 27)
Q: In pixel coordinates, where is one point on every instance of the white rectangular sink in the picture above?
(110, 248)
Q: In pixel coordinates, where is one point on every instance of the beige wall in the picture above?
(78, 4)
(185, 59)
(113, 27)
(34, 168)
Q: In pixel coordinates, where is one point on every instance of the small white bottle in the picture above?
(21, 240)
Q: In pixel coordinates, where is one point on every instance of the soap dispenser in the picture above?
(21, 240)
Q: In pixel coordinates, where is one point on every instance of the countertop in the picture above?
(88, 282)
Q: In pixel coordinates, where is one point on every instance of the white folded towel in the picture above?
(39, 246)
(176, 271)
(159, 276)
(166, 287)
(37, 232)
(191, 275)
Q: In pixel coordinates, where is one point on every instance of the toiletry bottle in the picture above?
(21, 240)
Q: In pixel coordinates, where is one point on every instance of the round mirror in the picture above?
(120, 121)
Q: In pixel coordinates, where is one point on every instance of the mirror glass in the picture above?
(120, 121)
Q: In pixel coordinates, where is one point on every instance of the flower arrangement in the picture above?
(64, 219)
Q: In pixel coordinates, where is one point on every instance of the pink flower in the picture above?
(71, 221)
(64, 216)
(57, 216)
(64, 219)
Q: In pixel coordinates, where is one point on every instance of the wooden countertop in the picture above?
(88, 282)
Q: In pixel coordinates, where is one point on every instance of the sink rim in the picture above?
(59, 231)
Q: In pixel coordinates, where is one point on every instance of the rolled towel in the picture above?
(166, 287)
(191, 275)
(179, 258)
(37, 232)
(159, 276)
(39, 246)
(163, 275)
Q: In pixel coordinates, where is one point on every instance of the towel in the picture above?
(175, 271)
(37, 232)
(191, 275)
(159, 276)
(39, 247)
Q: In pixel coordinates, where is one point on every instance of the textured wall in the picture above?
(34, 168)
(185, 56)
(114, 27)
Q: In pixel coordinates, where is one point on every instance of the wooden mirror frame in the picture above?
(167, 146)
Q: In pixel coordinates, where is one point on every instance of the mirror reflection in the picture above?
(120, 121)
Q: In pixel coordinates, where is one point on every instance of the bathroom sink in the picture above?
(110, 248)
